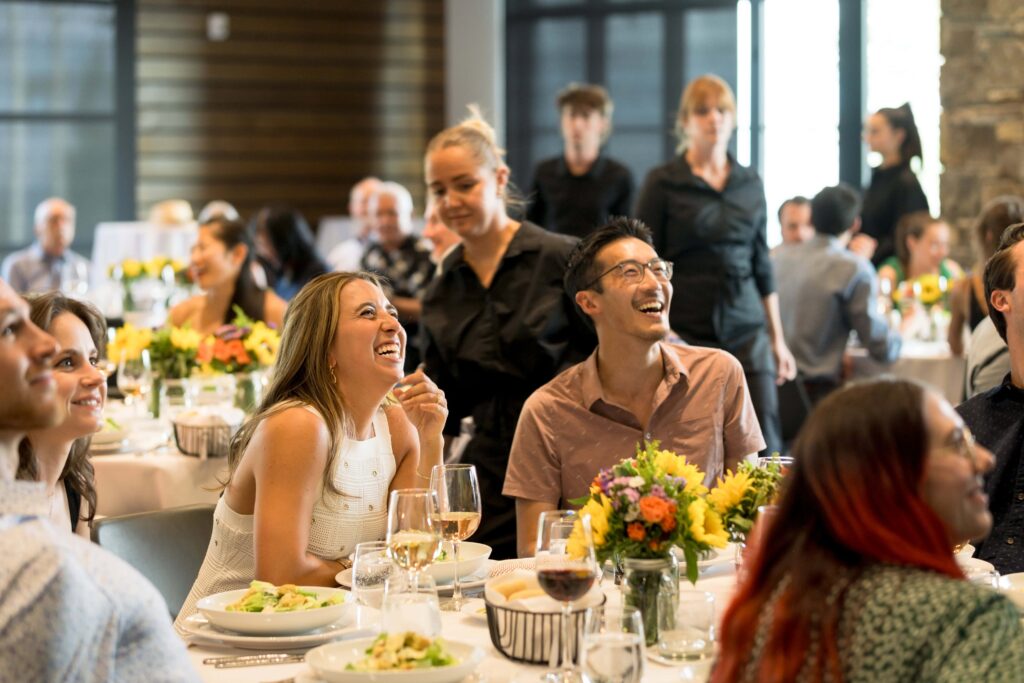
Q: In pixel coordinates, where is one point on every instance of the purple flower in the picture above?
(632, 494)
(656, 490)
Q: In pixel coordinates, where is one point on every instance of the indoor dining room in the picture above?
(501, 341)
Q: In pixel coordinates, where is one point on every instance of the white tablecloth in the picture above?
(928, 362)
(495, 667)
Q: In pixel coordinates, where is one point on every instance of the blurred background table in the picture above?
(929, 362)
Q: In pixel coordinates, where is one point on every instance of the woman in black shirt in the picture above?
(708, 217)
(894, 191)
(497, 323)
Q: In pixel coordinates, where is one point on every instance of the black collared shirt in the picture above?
(718, 244)
(894, 192)
(997, 419)
(578, 204)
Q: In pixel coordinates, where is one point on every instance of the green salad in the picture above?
(266, 597)
(403, 651)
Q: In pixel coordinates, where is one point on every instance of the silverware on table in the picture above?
(238, 661)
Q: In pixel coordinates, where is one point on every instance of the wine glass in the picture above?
(134, 377)
(613, 645)
(413, 537)
(458, 497)
(566, 569)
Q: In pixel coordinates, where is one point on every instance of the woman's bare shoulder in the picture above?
(274, 308)
(186, 310)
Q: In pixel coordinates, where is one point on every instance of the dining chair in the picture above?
(165, 546)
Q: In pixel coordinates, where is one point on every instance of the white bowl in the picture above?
(471, 560)
(109, 436)
(1012, 586)
(329, 661)
(274, 623)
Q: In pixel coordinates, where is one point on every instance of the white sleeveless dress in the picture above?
(363, 471)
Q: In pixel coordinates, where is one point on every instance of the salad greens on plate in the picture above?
(266, 597)
(403, 651)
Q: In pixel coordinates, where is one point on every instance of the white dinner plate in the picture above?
(972, 566)
(329, 662)
(477, 580)
(216, 609)
(136, 442)
(202, 631)
(719, 556)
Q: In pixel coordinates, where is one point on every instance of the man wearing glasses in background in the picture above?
(636, 386)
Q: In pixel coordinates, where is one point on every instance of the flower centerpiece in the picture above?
(244, 348)
(149, 285)
(172, 356)
(737, 496)
(642, 508)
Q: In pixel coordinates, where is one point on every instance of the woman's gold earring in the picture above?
(334, 378)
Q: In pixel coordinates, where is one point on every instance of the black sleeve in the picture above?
(912, 198)
(624, 201)
(536, 209)
(436, 369)
(650, 208)
(761, 261)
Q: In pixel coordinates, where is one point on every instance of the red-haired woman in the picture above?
(855, 579)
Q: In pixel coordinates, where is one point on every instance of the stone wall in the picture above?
(982, 87)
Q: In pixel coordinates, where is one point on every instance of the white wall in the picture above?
(475, 60)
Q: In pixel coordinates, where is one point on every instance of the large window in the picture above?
(65, 120)
(643, 51)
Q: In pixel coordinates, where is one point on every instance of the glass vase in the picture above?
(650, 585)
(248, 390)
(174, 395)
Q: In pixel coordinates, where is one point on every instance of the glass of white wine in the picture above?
(135, 378)
(458, 497)
(413, 535)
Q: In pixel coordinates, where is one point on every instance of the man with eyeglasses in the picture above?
(997, 416)
(635, 387)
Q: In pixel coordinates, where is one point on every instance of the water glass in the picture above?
(411, 605)
(371, 568)
(688, 632)
(613, 645)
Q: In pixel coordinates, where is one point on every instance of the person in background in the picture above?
(49, 264)
(397, 255)
(854, 579)
(635, 387)
(708, 217)
(997, 415)
(497, 322)
(221, 267)
(922, 248)
(59, 455)
(285, 248)
(967, 303)
(69, 611)
(218, 208)
(894, 190)
(440, 237)
(310, 473)
(795, 220)
(171, 213)
(577, 191)
(826, 291)
(988, 359)
(346, 255)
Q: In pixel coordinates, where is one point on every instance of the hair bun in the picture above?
(478, 124)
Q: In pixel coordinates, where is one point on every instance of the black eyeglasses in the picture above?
(633, 272)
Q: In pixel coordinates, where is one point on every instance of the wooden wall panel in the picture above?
(303, 99)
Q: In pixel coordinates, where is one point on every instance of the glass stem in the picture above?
(457, 587)
(566, 664)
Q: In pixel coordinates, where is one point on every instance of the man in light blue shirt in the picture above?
(49, 264)
(825, 291)
(69, 611)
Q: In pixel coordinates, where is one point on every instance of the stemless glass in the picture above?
(135, 378)
(613, 645)
(371, 567)
(566, 571)
(413, 538)
(458, 497)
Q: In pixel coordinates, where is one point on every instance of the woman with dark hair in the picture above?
(222, 267)
(894, 190)
(855, 578)
(922, 248)
(708, 216)
(286, 249)
(58, 456)
(311, 471)
(967, 300)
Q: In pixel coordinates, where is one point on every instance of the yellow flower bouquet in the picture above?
(737, 496)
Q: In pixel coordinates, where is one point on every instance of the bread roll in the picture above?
(526, 593)
(508, 588)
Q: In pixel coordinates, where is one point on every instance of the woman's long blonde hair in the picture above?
(302, 373)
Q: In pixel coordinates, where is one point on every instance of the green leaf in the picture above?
(692, 569)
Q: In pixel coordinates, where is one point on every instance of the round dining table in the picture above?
(470, 626)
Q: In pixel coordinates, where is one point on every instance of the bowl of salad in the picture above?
(111, 432)
(394, 657)
(264, 609)
(472, 557)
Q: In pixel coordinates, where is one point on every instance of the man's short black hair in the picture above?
(798, 200)
(581, 269)
(835, 209)
(1000, 273)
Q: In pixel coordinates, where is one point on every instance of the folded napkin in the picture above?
(503, 567)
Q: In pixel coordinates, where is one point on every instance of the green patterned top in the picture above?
(906, 624)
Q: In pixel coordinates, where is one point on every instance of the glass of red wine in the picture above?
(566, 569)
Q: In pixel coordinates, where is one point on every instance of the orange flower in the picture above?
(654, 545)
(653, 509)
(635, 531)
(669, 522)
